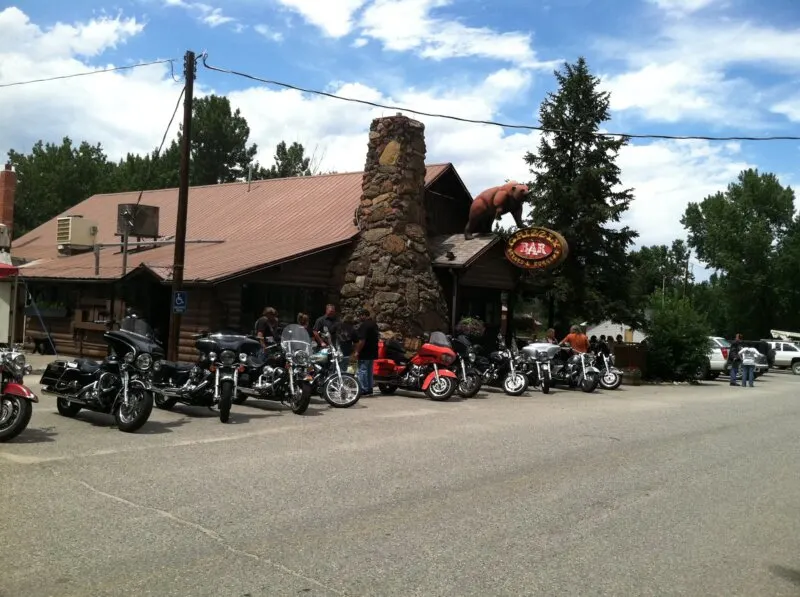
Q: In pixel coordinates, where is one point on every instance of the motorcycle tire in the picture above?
(66, 408)
(441, 390)
(134, 423)
(300, 404)
(470, 386)
(589, 384)
(515, 389)
(225, 401)
(22, 410)
(613, 385)
(332, 382)
(165, 403)
(240, 398)
(386, 389)
(545, 386)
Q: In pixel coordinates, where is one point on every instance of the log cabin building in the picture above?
(281, 243)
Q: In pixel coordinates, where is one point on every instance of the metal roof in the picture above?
(453, 250)
(271, 222)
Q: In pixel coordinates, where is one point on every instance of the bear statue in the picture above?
(494, 203)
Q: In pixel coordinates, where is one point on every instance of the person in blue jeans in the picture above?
(366, 351)
(734, 359)
(748, 356)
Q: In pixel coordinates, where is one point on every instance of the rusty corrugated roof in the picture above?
(274, 221)
(453, 250)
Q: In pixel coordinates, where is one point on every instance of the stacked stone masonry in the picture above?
(389, 270)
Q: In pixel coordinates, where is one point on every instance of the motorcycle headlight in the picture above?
(243, 357)
(157, 366)
(19, 361)
(27, 370)
(320, 358)
(212, 356)
(228, 357)
(144, 361)
(448, 359)
(129, 358)
(471, 356)
(301, 358)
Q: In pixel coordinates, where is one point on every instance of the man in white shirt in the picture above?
(748, 356)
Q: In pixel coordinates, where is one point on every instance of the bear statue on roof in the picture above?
(492, 204)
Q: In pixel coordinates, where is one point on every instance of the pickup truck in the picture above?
(787, 355)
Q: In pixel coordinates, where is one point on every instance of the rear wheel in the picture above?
(441, 389)
(301, 399)
(387, 389)
(589, 383)
(131, 417)
(796, 367)
(470, 385)
(165, 403)
(15, 414)
(66, 408)
(225, 400)
(515, 384)
(341, 393)
(240, 398)
(610, 381)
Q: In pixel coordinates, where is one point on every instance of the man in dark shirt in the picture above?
(267, 328)
(329, 321)
(366, 351)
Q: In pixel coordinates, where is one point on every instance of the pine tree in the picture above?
(576, 191)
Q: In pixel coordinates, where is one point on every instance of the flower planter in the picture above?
(631, 377)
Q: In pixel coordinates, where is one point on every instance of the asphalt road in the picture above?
(645, 491)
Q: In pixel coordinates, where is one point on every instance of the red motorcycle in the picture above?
(16, 400)
(427, 371)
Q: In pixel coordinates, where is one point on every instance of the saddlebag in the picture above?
(53, 373)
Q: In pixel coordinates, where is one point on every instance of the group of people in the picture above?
(356, 340)
(580, 342)
(743, 357)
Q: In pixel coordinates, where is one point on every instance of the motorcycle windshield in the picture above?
(137, 325)
(439, 339)
(295, 337)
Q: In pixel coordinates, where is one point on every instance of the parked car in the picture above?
(787, 355)
(718, 348)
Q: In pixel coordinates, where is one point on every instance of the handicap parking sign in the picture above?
(179, 302)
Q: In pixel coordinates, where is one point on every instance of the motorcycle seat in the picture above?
(87, 365)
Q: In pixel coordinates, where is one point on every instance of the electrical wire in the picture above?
(91, 72)
(527, 127)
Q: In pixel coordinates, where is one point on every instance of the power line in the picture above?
(91, 72)
(528, 127)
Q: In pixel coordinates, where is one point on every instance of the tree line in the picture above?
(52, 177)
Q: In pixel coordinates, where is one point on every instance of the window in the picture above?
(722, 342)
(790, 348)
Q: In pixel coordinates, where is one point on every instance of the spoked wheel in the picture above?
(515, 384)
(341, 392)
(225, 401)
(301, 399)
(165, 403)
(15, 414)
(470, 385)
(441, 389)
(131, 417)
(610, 381)
(589, 383)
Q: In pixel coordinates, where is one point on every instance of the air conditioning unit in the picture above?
(75, 232)
(141, 219)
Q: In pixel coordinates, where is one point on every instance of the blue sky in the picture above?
(684, 67)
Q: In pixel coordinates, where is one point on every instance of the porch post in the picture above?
(454, 303)
(14, 302)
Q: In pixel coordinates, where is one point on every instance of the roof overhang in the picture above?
(453, 251)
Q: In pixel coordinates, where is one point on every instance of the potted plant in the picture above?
(471, 327)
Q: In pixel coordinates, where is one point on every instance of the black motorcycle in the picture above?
(610, 376)
(284, 374)
(502, 369)
(575, 369)
(339, 388)
(469, 378)
(211, 381)
(117, 385)
(541, 356)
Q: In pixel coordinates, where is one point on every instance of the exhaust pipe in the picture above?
(69, 397)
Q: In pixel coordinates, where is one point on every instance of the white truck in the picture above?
(787, 352)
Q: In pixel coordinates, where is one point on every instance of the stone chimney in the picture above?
(8, 188)
(389, 270)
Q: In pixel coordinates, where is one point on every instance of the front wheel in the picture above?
(130, 418)
(341, 392)
(15, 414)
(66, 408)
(610, 381)
(589, 383)
(515, 384)
(225, 401)
(441, 389)
(470, 385)
(796, 368)
(301, 399)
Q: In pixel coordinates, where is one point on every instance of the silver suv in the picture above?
(787, 355)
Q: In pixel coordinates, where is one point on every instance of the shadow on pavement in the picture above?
(35, 436)
(789, 574)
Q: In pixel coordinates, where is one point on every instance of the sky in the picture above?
(674, 67)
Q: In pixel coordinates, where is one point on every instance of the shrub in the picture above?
(471, 327)
(677, 340)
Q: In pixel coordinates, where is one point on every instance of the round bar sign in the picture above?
(536, 248)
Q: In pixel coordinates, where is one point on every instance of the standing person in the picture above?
(550, 337)
(734, 359)
(327, 321)
(345, 333)
(577, 339)
(748, 356)
(366, 351)
(267, 328)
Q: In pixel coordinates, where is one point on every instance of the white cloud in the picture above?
(789, 108)
(333, 17)
(683, 7)
(211, 16)
(269, 33)
(126, 112)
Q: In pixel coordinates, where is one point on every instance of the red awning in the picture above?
(8, 270)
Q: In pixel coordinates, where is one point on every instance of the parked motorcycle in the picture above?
(575, 369)
(541, 355)
(427, 370)
(502, 369)
(610, 376)
(469, 378)
(284, 375)
(16, 399)
(212, 380)
(117, 385)
(339, 388)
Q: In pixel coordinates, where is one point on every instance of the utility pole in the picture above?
(686, 276)
(189, 70)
